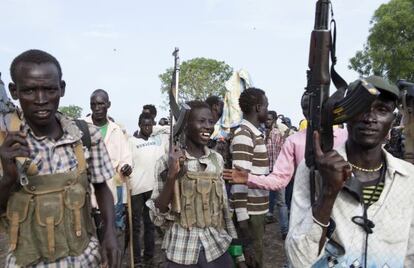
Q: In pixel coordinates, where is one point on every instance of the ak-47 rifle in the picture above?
(178, 117)
(407, 101)
(324, 110)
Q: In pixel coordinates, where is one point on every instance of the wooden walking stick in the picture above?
(129, 203)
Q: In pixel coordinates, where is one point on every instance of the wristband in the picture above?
(320, 223)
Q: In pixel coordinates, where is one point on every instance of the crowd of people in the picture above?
(209, 199)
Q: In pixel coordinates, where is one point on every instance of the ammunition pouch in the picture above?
(50, 217)
(201, 200)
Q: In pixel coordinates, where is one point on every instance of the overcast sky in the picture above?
(122, 46)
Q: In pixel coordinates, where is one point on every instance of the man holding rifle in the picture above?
(48, 219)
(200, 234)
(363, 214)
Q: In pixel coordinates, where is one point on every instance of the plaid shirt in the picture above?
(274, 143)
(52, 156)
(183, 245)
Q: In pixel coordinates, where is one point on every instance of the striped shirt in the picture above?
(249, 151)
(371, 192)
(52, 156)
(183, 245)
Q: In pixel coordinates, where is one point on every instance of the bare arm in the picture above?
(106, 206)
(164, 199)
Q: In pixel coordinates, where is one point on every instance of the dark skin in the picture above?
(199, 124)
(99, 104)
(239, 175)
(200, 121)
(38, 88)
(257, 116)
(147, 111)
(217, 110)
(270, 121)
(366, 131)
(145, 127)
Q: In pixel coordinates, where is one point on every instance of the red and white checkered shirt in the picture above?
(274, 144)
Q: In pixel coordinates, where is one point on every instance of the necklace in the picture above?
(366, 169)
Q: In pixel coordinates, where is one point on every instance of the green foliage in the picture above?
(72, 111)
(199, 78)
(389, 51)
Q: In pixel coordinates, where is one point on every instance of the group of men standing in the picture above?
(362, 217)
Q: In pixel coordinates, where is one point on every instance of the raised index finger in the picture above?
(317, 144)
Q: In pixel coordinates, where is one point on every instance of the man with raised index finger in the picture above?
(363, 215)
(49, 221)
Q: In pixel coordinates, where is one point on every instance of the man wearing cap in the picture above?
(363, 215)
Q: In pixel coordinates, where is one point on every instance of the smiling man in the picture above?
(364, 213)
(201, 233)
(49, 220)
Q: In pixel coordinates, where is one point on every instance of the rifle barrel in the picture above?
(322, 15)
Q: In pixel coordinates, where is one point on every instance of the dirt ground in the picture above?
(274, 255)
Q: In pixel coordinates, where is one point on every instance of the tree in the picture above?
(199, 78)
(389, 51)
(72, 111)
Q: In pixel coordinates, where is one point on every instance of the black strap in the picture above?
(338, 81)
(86, 135)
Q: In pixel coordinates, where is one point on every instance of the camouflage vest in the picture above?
(202, 198)
(50, 217)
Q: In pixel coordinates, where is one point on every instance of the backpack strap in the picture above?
(86, 135)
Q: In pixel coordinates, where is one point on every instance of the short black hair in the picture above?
(144, 116)
(196, 105)
(273, 113)
(33, 56)
(213, 100)
(249, 98)
(151, 108)
(99, 90)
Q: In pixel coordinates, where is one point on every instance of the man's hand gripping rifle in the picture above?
(178, 118)
(324, 110)
(10, 122)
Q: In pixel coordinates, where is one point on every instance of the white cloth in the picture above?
(145, 154)
(390, 245)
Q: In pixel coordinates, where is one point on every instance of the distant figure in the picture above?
(216, 106)
(274, 141)
(291, 154)
(249, 152)
(146, 151)
(116, 145)
(150, 109)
